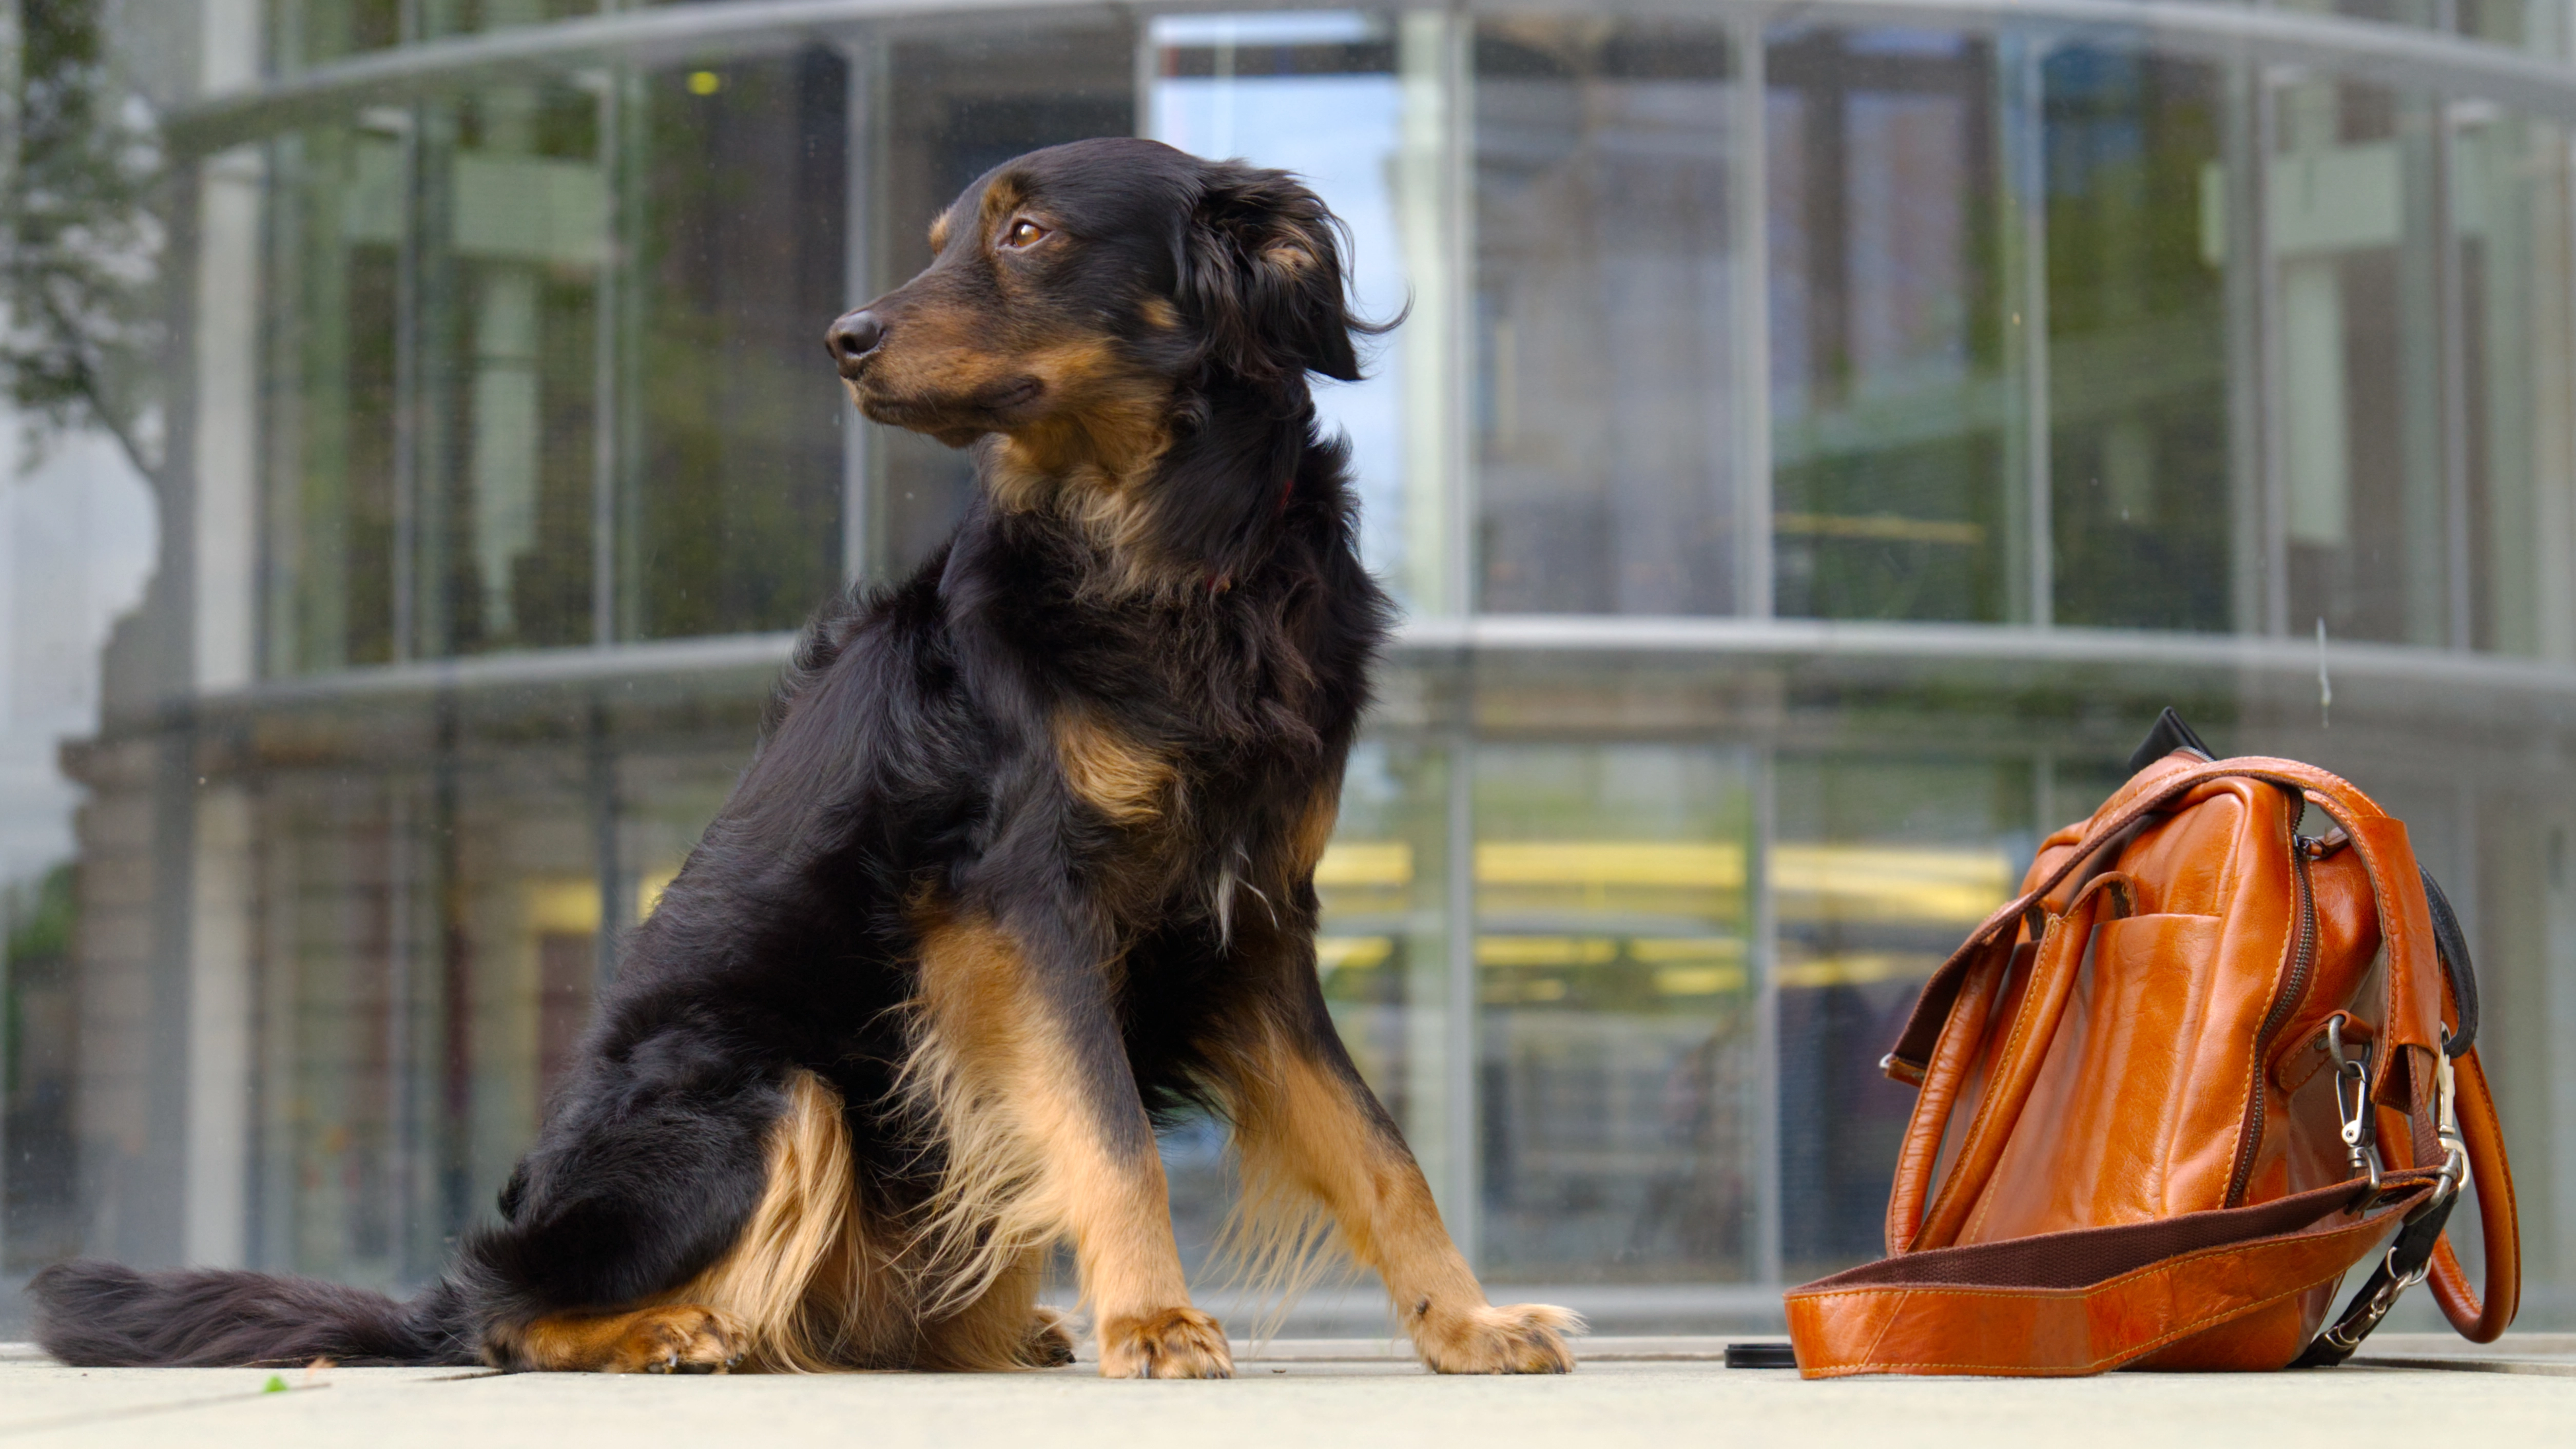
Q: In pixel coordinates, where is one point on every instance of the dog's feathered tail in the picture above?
(106, 1315)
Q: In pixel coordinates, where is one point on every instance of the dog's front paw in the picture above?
(1526, 1338)
(1177, 1343)
(1049, 1343)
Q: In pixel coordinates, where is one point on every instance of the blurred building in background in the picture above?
(1822, 439)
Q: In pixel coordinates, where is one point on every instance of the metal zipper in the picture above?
(2294, 984)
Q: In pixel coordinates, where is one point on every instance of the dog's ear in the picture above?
(1261, 271)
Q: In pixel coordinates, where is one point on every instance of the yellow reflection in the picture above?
(1653, 950)
(1854, 970)
(1928, 884)
(1365, 863)
(1699, 980)
(1847, 882)
(1610, 863)
(563, 905)
(1356, 952)
(649, 887)
(1545, 950)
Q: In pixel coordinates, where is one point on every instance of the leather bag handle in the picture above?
(2482, 1320)
(2057, 961)
(2410, 1017)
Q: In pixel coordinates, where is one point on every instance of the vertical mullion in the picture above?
(1462, 1203)
(2259, 590)
(607, 286)
(2020, 58)
(860, 52)
(1769, 1212)
(2451, 325)
(1750, 224)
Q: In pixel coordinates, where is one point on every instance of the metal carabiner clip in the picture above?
(2446, 1127)
(2352, 1079)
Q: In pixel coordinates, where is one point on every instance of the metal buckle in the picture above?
(2352, 1078)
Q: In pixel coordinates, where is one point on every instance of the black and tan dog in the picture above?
(1026, 859)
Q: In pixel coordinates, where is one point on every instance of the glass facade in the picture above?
(1813, 452)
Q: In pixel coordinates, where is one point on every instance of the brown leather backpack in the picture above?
(2200, 1067)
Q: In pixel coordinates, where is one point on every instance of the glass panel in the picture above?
(954, 106)
(311, 32)
(1604, 416)
(1889, 397)
(2137, 350)
(735, 477)
(1881, 865)
(1617, 1041)
(2357, 272)
(335, 258)
(510, 365)
(1383, 947)
(1315, 93)
(2510, 213)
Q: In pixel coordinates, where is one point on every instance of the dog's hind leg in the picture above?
(1005, 1329)
(1309, 1130)
(662, 1225)
(1046, 1138)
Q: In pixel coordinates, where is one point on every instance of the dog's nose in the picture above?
(854, 336)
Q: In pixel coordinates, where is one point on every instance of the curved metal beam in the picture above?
(1629, 638)
(2395, 55)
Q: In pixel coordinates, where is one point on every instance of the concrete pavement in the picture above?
(1640, 1392)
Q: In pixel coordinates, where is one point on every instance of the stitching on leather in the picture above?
(2139, 1274)
(2095, 1366)
(1986, 1107)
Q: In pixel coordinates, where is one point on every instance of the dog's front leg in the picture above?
(1048, 1139)
(1307, 1126)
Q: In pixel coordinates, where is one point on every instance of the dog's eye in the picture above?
(1023, 233)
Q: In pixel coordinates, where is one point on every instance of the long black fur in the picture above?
(908, 757)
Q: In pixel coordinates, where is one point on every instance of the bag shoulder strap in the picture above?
(2093, 1299)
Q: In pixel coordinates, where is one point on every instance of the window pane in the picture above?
(335, 248)
(2356, 267)
(1880, 866)
(1616, 1034)
(736, 477)
(1604, 417)
(1888, 400)
(2510, 214)
(2137, 350)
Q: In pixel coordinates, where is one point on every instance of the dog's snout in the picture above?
(853, 336)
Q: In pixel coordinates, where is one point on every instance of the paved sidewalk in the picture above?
(1642, 1392)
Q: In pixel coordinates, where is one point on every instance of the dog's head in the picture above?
(1078, 291)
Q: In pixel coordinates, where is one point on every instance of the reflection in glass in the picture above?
(2137, 383)
(736, 491)
(1617, 1047)
(1604, 420)
(1888, 400)
(1880, 866)
(2351, 226)
(2509, 212)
